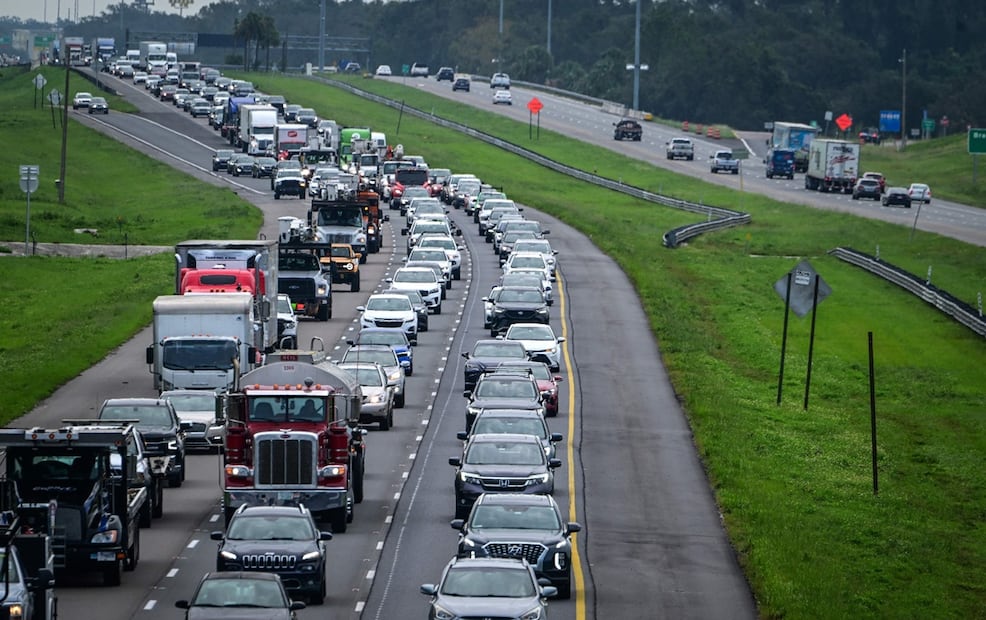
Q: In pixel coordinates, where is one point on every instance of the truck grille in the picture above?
(529, 551)
(297, 288)
(268, 561)
(339, 237)
(284, 461)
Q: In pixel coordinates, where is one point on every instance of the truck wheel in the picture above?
(354, 283)
(357, 479)
(158, 500)
(301, 196)
(338, 520)
(363, 257)
(111, 575)
(145, 513)
(277, 196)
(324, 312)
(133, 553)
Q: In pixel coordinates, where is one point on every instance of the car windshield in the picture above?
(520, 426)
(489, 388)
(537, 369)
(505, 453)
(384, 358)
(487, 582)
(429, 226)
(504, 349)
(368, 376)
(392, 304)
(518, 262)
(146, 415)
(432, 255)
(522, 279)
(199, 354)
(514, 518)
(530, 332)
(416, 275)
(517, 295)
(541, 247)
(206, 401)
(287, 409)
(240, 593)
(244, 527)
(387, 337)
(437, 242)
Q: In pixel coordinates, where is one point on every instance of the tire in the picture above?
(354, 283)
(337, 518)
(111, 575)
(493, 333)
(323, 312)
(158, 511)
(384, 423)
(357, 479)
(438, 308)
(399, 401)
(319, 597)
(145, 514)
(564, 589)
(277, 196)
(444, 295)
(301, 196)
(855, 197)
(410, 370)
(133, 554)
(174, 482)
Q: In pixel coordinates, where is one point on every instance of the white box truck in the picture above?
(833, 165)
(202, 341)
(289, 138)
(256, 133)
(153, 54)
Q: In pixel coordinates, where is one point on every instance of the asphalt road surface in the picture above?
(590, 123)
(652, 544)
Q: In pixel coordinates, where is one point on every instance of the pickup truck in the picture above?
(680, 148)
(627, 129)
(725, 162)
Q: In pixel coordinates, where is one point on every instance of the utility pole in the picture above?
(903, 99)
(61, 171)
(321, 39)
(636, 60)
(549, 27)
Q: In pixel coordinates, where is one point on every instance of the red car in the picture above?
(547, 382)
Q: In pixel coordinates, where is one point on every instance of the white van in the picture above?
(378, 142)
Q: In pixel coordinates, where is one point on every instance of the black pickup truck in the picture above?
(627, 129)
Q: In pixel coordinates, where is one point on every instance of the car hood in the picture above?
(250, 547)
(505, 403)
(488, 607)
(518, 305)
(484, 362)
(538, 345)
(205, 417)
(393, 315)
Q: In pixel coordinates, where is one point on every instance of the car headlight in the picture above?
(550, 350)
(542, 311)
(105, 538)
(173, 445)
(361, 238)
(538, 479)
(332, 471)
(321, 290)
(311, 555)
(15, 611)
(533, 614)
(374, 398)
(470, 478)
(228, 555)
(443, 614)
(394, 375)
(238, 471)
(500, 310)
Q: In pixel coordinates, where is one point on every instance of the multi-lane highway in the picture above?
(652, 543)
(591, 123)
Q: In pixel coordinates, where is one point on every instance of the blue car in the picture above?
(393, 336)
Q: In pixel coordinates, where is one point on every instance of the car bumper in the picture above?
(315, 500)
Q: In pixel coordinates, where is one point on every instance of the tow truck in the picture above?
(63, 484)
(26, 567)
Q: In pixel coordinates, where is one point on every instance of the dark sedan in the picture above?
(897, 196)
(241, 165)
(98, 105)
(220, 159)
(517, 305)
(264, 167)
(502, 391)
(487, 354)
(501, 463)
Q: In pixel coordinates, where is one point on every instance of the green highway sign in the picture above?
(44, 41)
(928, 124)
(977, 141)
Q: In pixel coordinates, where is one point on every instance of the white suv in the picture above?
(389, 310)
(419, 70)
(500, 80)
(423, 280)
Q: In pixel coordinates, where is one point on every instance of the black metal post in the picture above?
(876, 481)
(787, 313)
(811, 339)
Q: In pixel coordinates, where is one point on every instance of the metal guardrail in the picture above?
(718, 217)
(942, 300)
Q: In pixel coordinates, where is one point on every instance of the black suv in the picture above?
(517, 304)
(159, 426)
(220, 159)
(502, 391)
(445, 73)
(460, 84)
(276, 539)
(501, 463)
(487, 354)
(627, 129)
(516, 525)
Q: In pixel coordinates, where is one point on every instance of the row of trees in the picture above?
(740, 62)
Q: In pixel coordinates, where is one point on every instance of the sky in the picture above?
(36, 9)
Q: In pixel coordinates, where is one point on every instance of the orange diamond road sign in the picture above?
(535, 105)
(844, 122)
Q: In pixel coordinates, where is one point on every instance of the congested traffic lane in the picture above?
(677, 558)
(590, 123)
(177, 550)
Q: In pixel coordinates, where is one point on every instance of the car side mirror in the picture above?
(182, 604)
(457, 524)
(149, 354)
(455, 461)
(296, 606)
(463, 435)
(571, 527)
(325, 535)
(216, 535)
(429, 588)
(554, 463)
(556, 437)
(549, 591)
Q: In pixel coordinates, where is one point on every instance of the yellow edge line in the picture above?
(579, 579)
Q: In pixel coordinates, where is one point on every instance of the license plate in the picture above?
(105, 556)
